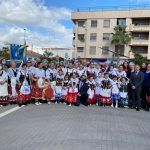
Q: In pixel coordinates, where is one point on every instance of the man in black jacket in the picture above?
(136, 80)
(83, 88)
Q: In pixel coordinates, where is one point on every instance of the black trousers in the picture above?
(136, 97)
(83, 99)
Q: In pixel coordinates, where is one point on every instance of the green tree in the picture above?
(120, 37)
(5, 53)
(139, 59)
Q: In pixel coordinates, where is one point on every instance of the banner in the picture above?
(17, 52)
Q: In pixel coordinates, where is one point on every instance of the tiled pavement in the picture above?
(59, 127)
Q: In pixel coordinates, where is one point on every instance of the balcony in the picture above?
(139, 42)
(139, 28)
(73, 42)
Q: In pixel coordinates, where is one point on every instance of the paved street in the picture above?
(59, 127)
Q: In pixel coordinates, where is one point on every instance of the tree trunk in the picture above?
(118, 54)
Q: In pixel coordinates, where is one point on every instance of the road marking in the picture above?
(10, 111)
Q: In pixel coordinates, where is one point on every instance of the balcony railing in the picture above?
(139, 42)
(139, 27)
(111, 8)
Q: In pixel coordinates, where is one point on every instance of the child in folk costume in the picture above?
(72, 93)
(24, 94)
(90, 71)
(48, 92)
(105, 91)
(115, 92)
(123, 89)
(3, 87)
(74, 78)
(65, 86)
(98, 81)
(58, 90)
(91, 94)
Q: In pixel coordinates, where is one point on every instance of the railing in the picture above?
(111, 8)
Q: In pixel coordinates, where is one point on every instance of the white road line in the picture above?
(10, 111)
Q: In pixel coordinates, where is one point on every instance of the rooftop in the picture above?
(114, 8)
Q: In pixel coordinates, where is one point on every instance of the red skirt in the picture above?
(72, 97)
(64, 97)
(4, 100)
(105, 100)
(22, 98)
(92, 100)
(36, 92)
(48, 93)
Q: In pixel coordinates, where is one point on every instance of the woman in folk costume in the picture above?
(48, 92)
(65, 86)
(12, 83)
(81, 71)
(58, 90)
(70, 70)
(51, 72)
(38, 83)
(90, 70)
(105, 91)
(120, 72)
(98, 82)
(123, 90)
(60, 75)
(115, 92)
(3, 86)
(72, 93)
(97, 69)
(24, 78)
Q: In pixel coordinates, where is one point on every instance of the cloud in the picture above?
(18, 14)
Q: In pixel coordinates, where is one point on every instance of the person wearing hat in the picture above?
(3, 86)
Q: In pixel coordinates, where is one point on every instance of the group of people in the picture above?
(76, 82)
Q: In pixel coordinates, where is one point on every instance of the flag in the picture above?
(17, 52)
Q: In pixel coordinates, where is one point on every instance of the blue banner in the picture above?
(17, 52)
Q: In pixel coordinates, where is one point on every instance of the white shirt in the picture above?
(39, 73)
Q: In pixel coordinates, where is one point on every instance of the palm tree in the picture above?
(120, 37)
(48, 54)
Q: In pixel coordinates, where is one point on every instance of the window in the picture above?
(81, 23)
(106, 36)
(121, 22)
(105, 50)
(93, 37)
(92, 50)
(106, 24)
(81, 37)
(140, 49)
(93, 23)
(121, 50)
(80, 49)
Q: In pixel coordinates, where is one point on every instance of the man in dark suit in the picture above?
(83, 88)
(136, 80)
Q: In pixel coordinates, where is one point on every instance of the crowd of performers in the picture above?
(76, 83)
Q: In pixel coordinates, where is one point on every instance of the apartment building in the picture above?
(92, 31)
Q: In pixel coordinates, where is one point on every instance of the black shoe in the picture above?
(19, 105)
(137, 109)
